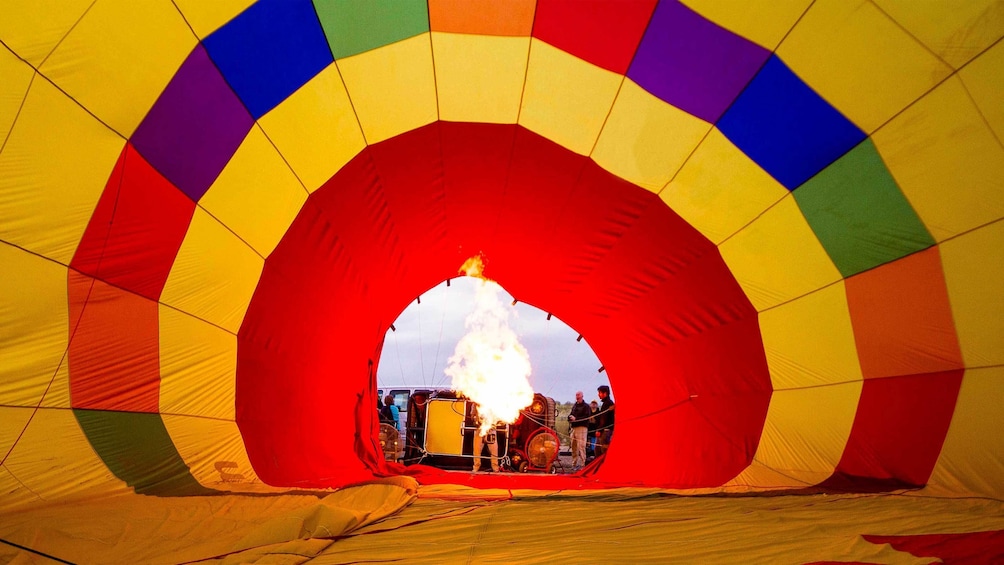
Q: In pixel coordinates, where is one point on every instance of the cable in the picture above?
(35, 552)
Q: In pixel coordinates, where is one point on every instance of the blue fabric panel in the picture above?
(269, 51)
(786, 128)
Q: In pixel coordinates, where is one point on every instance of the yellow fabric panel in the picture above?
(55, 460)
(315, 128)
(764, 23)
(15, 496)
(257, 196)
(806, 431)
(375, 522)
(207, 17)
(117, 60)
(758, 477)
(393, 88)
(646, 140)
(565, 98)
(946, 160)
(52, 171)
(12, 422)
(33, 325)
(860, 61)
(16, 78)
(32, 28)
(198, 366)
(956, 30)
(479, 78)
(810, 341)
(58, 395)
(335, 515)
(984, 79)
(214, 275)
(213, 450)
(659, 529)
(777, 257)
(972, 458)
(974, 271)
(188, 529)
(719, 189)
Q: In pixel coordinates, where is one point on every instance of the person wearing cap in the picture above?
(604, 420)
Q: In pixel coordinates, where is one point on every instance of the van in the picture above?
(401, 395)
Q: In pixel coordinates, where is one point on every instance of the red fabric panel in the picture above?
(558, 232)
(899, 428)
(979, 548)
(912, 365)
(136, 230)
(305, 343)
(475, 162)
(547, 178)
(114, 347)
(902, 327)
(602, 32)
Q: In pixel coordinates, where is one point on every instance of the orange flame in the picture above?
(473, 267)
(489, 365)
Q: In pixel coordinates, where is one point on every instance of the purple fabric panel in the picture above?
(194, 127)
(692, 63)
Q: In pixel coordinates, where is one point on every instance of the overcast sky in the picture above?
(427, 333)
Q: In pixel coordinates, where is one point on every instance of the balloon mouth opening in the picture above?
(609, 258)
(492, 406)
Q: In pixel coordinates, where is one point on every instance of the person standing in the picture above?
(591, 446)
(605, 420)
(392, 410)
(490, 438)
(579, 420)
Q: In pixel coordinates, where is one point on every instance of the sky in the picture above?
(427, 334)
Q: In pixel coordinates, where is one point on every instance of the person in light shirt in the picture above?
(579, 421)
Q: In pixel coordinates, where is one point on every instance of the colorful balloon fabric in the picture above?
(778, 225)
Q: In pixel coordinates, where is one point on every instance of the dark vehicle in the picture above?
(441, 425)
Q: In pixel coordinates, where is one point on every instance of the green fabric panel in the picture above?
(355, 26)
(137, 449)
(859, 213)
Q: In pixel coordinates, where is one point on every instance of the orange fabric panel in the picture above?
(902, 318)
(505, 17)
(114, 349)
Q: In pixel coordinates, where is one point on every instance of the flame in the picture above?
(489, 365)
(473, 267)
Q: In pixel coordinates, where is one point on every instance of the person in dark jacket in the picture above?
(591, 446)
(579, 420)
(604, 420)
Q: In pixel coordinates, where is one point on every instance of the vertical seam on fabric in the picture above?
(334, 61)
(773, 53)
(67, 34)
(911, 35)
(24, 100)
(979, 111)
(185, 19)
(283, 157)
(432, 55)
(526, 68)
(610, 110)
(76, 326)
